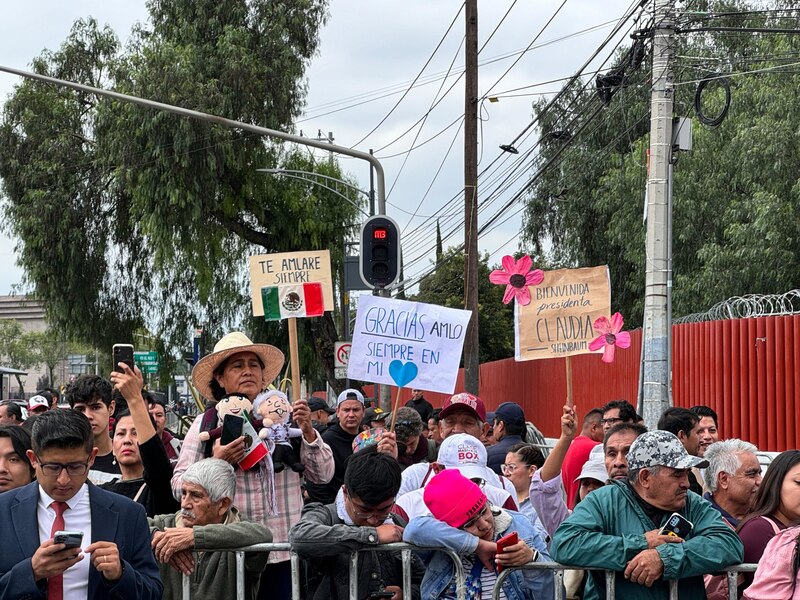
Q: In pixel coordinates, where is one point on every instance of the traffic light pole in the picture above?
(322, 144)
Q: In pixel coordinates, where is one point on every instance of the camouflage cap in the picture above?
(663, 449)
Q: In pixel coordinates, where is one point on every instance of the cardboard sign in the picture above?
(290, 269)
(399, 343)
(558, 321)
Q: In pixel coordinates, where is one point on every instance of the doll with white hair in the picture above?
(273, 410)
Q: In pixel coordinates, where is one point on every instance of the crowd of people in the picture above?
(101, 501)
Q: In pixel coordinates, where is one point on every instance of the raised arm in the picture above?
(552, 466)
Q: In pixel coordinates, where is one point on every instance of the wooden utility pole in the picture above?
(471, 359)
(655, 372)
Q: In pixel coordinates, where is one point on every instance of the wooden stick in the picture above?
(294, 358)
(394, 410)
(569, 381)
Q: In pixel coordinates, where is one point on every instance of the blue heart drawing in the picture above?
(402, 373)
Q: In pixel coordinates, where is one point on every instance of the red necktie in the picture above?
(55, 585)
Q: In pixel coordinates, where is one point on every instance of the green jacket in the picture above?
(607, 529)
(214, 575)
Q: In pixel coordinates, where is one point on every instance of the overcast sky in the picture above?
(370, 53)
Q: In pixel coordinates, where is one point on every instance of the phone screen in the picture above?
(122, 353)
(231, 428)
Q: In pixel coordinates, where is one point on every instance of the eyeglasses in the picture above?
(75, 469)
(486, 508)
(610, 421)
(379, 514)
(508, 469)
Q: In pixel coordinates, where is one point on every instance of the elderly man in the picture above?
(207, 521)
(617, 527)
(237, 365)
(732, 478)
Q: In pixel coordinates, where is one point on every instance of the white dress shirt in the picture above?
(77, 518)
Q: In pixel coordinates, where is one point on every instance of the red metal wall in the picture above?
(748, 370)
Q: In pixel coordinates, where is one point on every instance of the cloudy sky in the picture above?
(371, 51)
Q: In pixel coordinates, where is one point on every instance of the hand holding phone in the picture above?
(503, 543)
(232, 427)
(122, 353)
(71, 539)
(677, 526)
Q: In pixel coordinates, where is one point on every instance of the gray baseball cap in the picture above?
(661, 448)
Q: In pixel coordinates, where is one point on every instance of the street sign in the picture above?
(145, 357)
(341, 354)
(340, 372)
(148, 368)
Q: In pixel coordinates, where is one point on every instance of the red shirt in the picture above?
(577, 455)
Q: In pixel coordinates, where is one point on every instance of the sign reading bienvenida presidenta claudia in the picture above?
(558, 321)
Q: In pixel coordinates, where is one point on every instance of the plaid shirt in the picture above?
(274, 500)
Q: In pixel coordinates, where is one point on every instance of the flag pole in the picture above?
(294, 358)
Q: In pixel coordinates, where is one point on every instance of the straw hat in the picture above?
(231, 344)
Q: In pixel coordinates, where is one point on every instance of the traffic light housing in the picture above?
(380, 252)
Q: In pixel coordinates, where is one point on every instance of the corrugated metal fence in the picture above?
(748, 370)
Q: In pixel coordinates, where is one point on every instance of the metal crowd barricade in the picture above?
(405, 552)
(731, 573)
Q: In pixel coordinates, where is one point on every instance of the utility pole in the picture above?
(655, 373)
(471, 354)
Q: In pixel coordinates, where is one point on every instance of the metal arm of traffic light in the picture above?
(216, 120)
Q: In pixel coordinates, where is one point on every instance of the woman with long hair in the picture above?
(776, 506)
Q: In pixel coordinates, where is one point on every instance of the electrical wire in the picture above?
(422, 70)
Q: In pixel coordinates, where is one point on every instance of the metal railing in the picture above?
(732, 572)
(405, 553)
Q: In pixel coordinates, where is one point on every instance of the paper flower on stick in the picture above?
(610, 336)
(517, 276)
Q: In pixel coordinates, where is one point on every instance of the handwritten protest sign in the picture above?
(290, 269)
(558, 321)
(399, 342)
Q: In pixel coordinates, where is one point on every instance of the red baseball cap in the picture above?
(465, 400)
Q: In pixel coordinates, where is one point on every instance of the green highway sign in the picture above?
(145, 357)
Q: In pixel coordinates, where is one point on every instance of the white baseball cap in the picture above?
(466, 453)
(350, 394)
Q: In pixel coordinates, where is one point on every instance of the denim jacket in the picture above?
(519, 585)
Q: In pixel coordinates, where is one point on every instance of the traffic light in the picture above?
(380, 252)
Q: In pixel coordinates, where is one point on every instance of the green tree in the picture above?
(445, 287)
(15, 352)
(48, 348)
(132, 218)
(736, 195)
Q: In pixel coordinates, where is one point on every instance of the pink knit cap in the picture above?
(452, 498)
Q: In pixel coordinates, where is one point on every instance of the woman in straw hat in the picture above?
(239, 365)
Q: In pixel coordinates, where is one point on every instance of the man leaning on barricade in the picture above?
(361, 518)
(618, 527)
(193, 541)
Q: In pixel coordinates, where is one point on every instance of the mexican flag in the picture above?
(299, 300)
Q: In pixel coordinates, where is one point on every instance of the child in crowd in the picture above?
(465, 521)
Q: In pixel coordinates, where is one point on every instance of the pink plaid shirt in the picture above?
(261, 495)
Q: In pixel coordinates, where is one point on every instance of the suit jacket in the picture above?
(115, 519)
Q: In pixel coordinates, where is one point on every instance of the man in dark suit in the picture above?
(114, 559)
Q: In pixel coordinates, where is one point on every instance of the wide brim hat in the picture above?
(234, 343)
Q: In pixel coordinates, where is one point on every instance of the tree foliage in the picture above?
(445, 287)
(736, 195)
(130, 218)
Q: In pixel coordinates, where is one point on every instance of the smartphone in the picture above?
(231, 429)
(122, 353)
(71, 539)
(678, 526)
(504, 542)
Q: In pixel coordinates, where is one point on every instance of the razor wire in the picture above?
(747, 307)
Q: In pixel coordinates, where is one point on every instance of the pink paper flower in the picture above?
(610, 336)
(517, 276)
